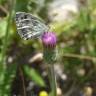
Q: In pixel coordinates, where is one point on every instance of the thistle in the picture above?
(49, 41)
(49, 44)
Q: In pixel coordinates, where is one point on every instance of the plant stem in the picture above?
(23, 82)
(5, 42)
(50, 58)
(78, 56)
(4, 49)
(53, 80)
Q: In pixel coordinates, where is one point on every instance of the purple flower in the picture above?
(49, 39)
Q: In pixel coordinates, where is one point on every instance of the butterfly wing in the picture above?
(29, 26)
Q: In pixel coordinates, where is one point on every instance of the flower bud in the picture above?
(49, 39)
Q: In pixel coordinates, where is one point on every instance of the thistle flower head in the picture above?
(49, 39)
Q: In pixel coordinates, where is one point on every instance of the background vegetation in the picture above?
(22, 70)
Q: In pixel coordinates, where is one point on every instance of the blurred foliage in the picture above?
(34, 75)
(76, 45)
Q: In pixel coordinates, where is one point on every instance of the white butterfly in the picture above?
(29, 26)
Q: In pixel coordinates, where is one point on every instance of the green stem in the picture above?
(52, 78)
(23, 82)
(5, 42)
(50, 59)
(4, 49)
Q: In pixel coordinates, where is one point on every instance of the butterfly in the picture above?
(29, 26)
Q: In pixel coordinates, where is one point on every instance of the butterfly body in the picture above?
(29, 26)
